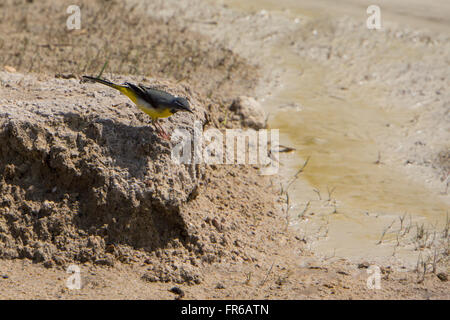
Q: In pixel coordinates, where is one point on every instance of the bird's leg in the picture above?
(158, 129)
(161, 131)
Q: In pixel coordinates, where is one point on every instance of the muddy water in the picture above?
(349, 196)
(353, 197)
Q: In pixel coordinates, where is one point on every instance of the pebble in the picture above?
(220, 286)
(177, 290)
(442, 276)
(363, 265)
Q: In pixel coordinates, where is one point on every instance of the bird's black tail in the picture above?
(124, 89)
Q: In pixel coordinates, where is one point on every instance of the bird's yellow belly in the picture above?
(145, 106)
(154, 113)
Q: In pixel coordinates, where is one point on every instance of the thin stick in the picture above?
(298, 172)
(305, 209)
(384, 232)
(267, 275)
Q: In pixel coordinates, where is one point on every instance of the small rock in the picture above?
(65, 76)
(217, 225)
(60, 261)
(385, 270)
(251, 113)
(177, 291)
(151, 277)
(5, 276)
(107, 261)
(442, 276)
(363, 265)
(220, 286)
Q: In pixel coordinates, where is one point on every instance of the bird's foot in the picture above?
(164, 135)
(161, 131)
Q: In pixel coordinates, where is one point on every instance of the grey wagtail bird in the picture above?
(156, 103)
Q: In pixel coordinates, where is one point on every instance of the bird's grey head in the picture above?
(180, 104)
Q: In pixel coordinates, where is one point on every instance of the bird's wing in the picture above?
(140, 93)
(157, 96)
